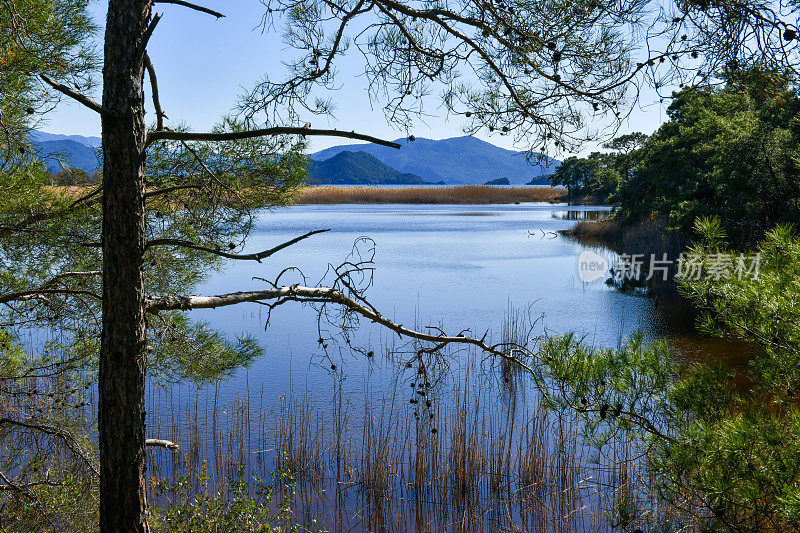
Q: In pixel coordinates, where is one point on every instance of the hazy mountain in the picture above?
(459, 160)
(41, 136)
(358, 168)
(61, 153)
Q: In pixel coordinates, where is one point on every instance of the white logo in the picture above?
(591, 266)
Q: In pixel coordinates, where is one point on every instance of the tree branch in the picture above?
(167, 190)
(86, 197)
(88, 102)
(40, 294)
(248, 257)
(68, 439)
(317, 294)
(280, 130)
(148, 32)
(191, 6)
(162, 444)
(151, 73)
(86, 200)
(83, 274)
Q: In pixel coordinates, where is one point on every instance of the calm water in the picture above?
(456, 267)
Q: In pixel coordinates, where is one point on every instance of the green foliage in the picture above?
(50, 262)
(730, 152)
(195, 506)
(50, 37)
(190, 351)
(69, 503)
(720, 440)
(601, 174)
(762, 310)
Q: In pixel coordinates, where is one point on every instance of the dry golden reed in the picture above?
(464, 194)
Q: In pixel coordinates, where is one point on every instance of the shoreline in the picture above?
(376, 194)
(460, 194)
(647, 238)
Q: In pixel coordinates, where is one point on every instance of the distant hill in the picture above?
(70, 153)
(459, 160)
(499, 181)
(358, 168)
(545, 177)
(41, 136)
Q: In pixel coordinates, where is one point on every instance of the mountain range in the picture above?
(58, 154)
(456, 161)
(41, 136)
(358, 168)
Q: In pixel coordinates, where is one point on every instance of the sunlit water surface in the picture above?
(459, 267)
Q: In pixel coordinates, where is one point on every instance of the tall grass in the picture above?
(466, 194)
(478, 452)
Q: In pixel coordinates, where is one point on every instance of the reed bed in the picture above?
(648, 237)
(478, 451)
(478, 455)
(462, 194)
(465, 194)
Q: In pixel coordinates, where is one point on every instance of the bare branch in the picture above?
(88, 102)
(248, 257)
(148, 32)
(169, 445)
(317, 294)
(151, 72)
(191, 6)
(280, 130)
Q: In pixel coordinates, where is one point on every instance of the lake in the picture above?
(460, 267)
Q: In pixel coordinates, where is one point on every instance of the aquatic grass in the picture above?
(370, 461)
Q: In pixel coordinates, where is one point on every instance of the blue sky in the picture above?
(203, 64)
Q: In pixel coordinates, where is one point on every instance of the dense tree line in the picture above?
(720, 440)
(731, 151)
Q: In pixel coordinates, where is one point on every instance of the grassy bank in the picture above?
(647, 238)
(466, 194)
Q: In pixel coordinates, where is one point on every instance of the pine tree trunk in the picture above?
(121, 419)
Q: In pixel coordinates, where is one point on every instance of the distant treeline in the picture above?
(75, 176)
(731, 151)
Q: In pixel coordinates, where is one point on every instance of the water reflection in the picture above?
(582, 214)
(459, 268)
(435, 265)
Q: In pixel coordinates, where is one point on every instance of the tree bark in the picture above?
(121, 420)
